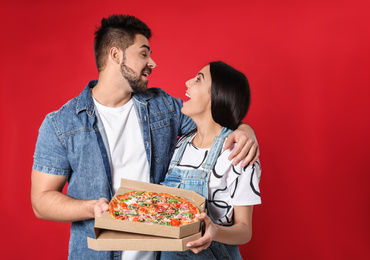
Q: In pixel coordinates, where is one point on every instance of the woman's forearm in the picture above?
(236, 234)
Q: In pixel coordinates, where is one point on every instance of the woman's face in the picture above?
(199, 92)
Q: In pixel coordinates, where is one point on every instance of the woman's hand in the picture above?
(205, 241)
(237, 234)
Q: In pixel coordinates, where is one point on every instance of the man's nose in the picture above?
(152, 64)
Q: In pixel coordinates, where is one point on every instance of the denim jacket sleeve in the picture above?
(50, 155)
(186, 123)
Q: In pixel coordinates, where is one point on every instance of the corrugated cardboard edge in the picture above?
(106, 222)
(108, 240)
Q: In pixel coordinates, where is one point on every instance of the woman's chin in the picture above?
(184, 110)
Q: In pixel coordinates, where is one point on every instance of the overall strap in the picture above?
(211, 160)
(180, 152)
(215, 151)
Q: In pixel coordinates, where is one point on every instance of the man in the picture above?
(116, 128)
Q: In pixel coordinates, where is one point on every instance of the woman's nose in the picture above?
(187, 83)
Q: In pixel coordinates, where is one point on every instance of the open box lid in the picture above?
(130, 185)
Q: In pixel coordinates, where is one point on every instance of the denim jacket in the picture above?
(72, 142)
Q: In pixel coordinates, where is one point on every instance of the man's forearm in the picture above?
(48, 201)
(56, 206)
(245, 127)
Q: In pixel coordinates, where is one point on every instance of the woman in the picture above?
(219, 99)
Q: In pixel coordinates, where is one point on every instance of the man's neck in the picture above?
(111, 92)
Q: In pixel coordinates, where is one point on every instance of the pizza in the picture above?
(152, 207)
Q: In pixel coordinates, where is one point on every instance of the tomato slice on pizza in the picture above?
(152, 207)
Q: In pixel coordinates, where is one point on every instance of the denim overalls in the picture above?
(197, 180)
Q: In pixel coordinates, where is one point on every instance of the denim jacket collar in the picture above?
(85, 101)
(142, 97)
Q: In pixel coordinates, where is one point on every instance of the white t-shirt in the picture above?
(228, 185)
(126, 147)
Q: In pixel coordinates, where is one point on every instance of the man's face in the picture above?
(137, 64)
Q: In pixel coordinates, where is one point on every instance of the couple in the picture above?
(117, 128)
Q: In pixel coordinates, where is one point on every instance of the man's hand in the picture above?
(247, 149)
(205, 241)
(100, 206)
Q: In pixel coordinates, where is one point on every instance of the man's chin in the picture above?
(139, 89)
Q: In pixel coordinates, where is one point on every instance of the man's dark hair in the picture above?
(119, 31)
(230, 95)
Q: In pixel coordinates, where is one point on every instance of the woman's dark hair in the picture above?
(119, 31)
(230, 95)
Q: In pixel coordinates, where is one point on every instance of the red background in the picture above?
(308, 65)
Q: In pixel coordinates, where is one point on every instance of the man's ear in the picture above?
(115, 54)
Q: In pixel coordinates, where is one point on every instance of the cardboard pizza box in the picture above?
(108, 240)
(108, 223)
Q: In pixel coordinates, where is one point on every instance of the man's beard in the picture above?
(136, 83)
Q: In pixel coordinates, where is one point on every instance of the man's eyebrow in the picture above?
(146, 46)
(200, 73)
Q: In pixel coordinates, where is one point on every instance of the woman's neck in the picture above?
(206, 134)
